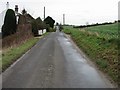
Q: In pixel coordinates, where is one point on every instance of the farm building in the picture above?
(20, 18)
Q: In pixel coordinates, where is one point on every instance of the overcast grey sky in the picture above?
(76, 12)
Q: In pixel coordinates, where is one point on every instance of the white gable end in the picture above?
(2, 17)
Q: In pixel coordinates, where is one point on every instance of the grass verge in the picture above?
(100, 50)
(14, 53)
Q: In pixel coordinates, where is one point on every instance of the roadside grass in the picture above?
(100, 49)
(0, 62)
(14, 53)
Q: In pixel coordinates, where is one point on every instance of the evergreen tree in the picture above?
(9, 26)
(24, 12)
(49, 21)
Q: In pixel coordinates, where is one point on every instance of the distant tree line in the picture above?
(97, 24)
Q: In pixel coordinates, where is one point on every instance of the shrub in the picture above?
(51, 30)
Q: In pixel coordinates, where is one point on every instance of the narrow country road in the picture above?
(54, 62)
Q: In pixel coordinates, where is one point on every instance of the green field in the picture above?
(100, 44)
(107, 31)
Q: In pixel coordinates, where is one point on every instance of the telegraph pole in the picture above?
(44, 13)
(63, 19)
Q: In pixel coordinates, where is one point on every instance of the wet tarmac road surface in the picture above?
(54, 62)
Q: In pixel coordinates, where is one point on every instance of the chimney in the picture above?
(16, 13)
(7, 5)
(16, 9)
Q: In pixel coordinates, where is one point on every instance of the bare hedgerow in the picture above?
(23, 33)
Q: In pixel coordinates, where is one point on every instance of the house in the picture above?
(2, 16)
(3, 13)
(25, 19)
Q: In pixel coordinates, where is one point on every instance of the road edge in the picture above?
(22, 55)
(93, 64)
